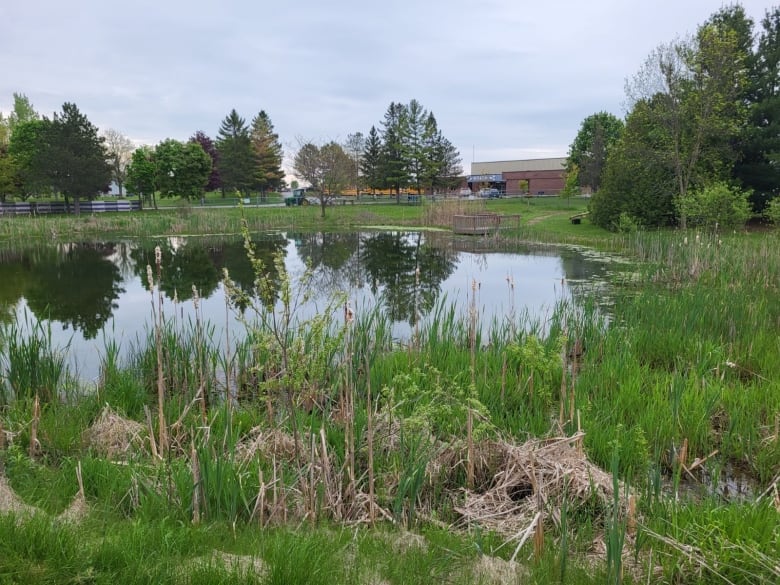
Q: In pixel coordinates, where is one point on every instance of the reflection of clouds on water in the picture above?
(370, 268)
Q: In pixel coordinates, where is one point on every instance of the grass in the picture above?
(684, 366)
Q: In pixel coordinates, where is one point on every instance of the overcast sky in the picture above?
(506, 79)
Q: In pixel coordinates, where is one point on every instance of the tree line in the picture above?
(408, 152)
(700, 144)
(67, 156)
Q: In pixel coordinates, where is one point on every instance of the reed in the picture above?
(30, 364)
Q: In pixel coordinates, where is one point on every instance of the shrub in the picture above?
(772, 211)
(717, 204)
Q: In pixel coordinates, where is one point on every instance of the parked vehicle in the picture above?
(490, 193)
(464, 192)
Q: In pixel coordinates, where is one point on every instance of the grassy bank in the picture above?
(186, 219)
(578, 449)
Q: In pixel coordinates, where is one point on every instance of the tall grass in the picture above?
(30, 364)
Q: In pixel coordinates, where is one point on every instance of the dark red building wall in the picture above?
(538, 181)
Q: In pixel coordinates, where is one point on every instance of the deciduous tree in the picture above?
(327, 169)
(120, 150)
(590, 148)
(207, 144)
(142, 175)
(182, 169)
(354, 146)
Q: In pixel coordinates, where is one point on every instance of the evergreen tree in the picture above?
(417, 147)
(442, 165)
(371, 164)
(236, 158)
(71, 157)
(758, 166)
(394, 135)
(268, 154)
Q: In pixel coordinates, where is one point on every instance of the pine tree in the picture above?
(268, 154)
(236, 159)
(394, 135)
(416, 149)
(371, 165)
(72, 156)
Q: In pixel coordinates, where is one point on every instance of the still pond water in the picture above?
(92, 292)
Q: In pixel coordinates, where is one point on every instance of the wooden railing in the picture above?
(41, 208)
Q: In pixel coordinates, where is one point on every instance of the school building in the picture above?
(538, 176)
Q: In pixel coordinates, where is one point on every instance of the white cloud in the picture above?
(504, 78)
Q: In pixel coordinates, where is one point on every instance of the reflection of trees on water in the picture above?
(232, 255)
(14, 280)
(199, 262)
(387, 261)
(182, 266)
(334, 259)
(77, 285)
(409, 272)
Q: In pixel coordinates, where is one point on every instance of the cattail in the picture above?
(149, 277)
(157, 256)
(195, 296)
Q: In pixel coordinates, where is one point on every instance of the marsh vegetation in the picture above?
(571, 448)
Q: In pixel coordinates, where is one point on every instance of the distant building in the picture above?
(538, 176)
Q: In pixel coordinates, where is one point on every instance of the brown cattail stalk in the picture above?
(36, 419)
(539, 538)
(683, 456)
(152, 442)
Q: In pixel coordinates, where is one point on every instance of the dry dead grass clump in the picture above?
(497, 571)
(10, 503)
(531, 477)
(270, 444)
(243, 564)
(115, 437)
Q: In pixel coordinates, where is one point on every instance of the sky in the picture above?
(506, 79)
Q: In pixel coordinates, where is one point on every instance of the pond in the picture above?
(90, 293)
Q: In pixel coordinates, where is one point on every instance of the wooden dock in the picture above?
(479, 224)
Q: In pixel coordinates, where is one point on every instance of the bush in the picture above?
(627, 224)
(772, 211)
(717, 204)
